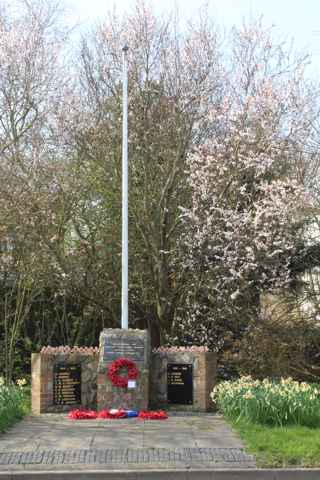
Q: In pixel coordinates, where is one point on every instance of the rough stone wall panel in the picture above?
(42, 366)
(204, 375)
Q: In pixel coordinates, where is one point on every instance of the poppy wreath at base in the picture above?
(115, 413)
(150, 415)
(118, 365)
(82, 414)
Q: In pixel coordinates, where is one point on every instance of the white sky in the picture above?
(297, 19)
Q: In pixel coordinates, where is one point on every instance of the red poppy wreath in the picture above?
(118, 365)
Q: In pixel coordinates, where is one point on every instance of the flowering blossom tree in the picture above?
(244, 225)
(238, 244)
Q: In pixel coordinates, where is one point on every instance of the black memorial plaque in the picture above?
(116, 347)
(180, 383)
(67, 384)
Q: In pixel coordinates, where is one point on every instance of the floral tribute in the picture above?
(157, 415)
(114, 413)
(80, 414)
(115, 368)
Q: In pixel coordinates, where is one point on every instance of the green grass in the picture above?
(14, 405)
(290, 446)
(279, 421)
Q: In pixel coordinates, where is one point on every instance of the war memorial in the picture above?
(122, 373)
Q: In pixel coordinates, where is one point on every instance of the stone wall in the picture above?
(42, 368)
(133, 345)
(204, 377)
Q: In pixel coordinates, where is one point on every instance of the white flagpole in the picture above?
(124, 296)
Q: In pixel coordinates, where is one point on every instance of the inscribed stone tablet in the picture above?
(131, 348)
(180, 383)
(67, 384)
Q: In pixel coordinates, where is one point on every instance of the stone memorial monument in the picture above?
(123, 369)
(122, 373)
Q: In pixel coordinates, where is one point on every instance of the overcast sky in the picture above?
(297, 19)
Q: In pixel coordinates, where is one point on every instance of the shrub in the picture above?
(286, 402)
(284, 342)
(14, 401)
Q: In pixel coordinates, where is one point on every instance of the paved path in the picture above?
(50, 440)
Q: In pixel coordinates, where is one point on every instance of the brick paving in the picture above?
(180, 441)
(127, 456)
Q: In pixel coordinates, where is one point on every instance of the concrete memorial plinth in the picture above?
(132, 345)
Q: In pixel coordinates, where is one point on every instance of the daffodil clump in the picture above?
(13, 402)
(284, 402)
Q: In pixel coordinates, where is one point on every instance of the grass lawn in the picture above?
(281, 446)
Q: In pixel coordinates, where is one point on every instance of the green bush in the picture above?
(14, 403)
(268, 402)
